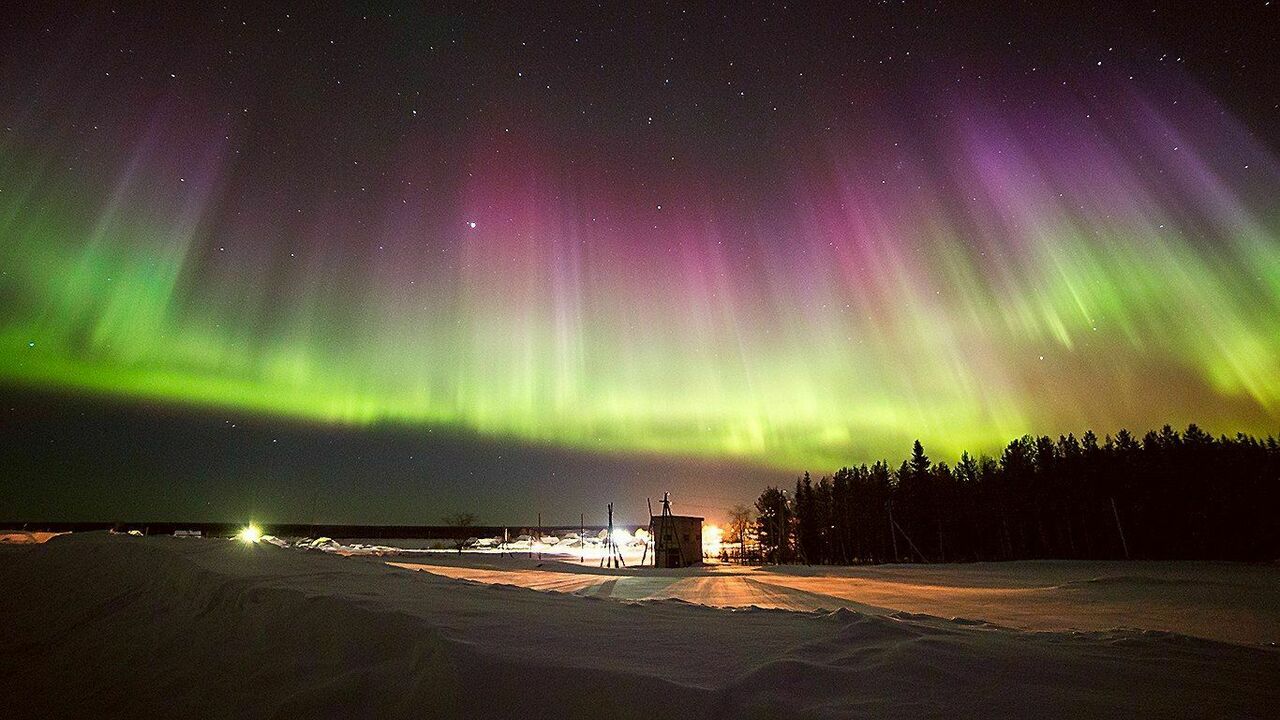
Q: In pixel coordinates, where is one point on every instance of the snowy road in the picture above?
(1230, 602)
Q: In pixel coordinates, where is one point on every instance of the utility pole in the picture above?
(1123, 543)
(782, 528)
(893, 535)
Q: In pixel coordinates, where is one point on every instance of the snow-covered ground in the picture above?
(115, 626)
(25, 537)
(1218, 601)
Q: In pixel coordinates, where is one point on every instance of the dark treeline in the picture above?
(1168, 495)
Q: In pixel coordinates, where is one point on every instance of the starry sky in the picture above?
(371, 263)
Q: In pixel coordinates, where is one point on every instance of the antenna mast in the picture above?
(612, 554)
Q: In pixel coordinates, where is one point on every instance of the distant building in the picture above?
(677, 540)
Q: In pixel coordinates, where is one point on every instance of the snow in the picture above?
(116, 625)
(1230, 602)
(632, 547)
(25, 537)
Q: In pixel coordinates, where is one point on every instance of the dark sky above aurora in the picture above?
(372, 263)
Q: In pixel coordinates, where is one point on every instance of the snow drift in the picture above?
(121, 626)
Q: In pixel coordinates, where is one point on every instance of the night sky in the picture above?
(374, 264)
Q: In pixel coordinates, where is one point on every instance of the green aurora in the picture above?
(1090, 275)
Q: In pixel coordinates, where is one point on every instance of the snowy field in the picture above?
(1218, 601)
(115, 626)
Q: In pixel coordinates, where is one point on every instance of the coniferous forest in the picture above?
(1168, 495)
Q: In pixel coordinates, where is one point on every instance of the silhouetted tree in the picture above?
(774, 524)
(813, 505)
(741, 519)
(1168, 495)
(461, 521)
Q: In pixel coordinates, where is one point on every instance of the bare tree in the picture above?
(460, 520)
(740, 519)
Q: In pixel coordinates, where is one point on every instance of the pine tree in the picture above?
(774, 523)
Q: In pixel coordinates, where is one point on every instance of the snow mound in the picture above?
(106, 626)
(25, 537)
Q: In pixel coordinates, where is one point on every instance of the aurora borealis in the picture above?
(657, 240)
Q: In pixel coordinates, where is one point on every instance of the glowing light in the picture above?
(712, 539)
(250, 534)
